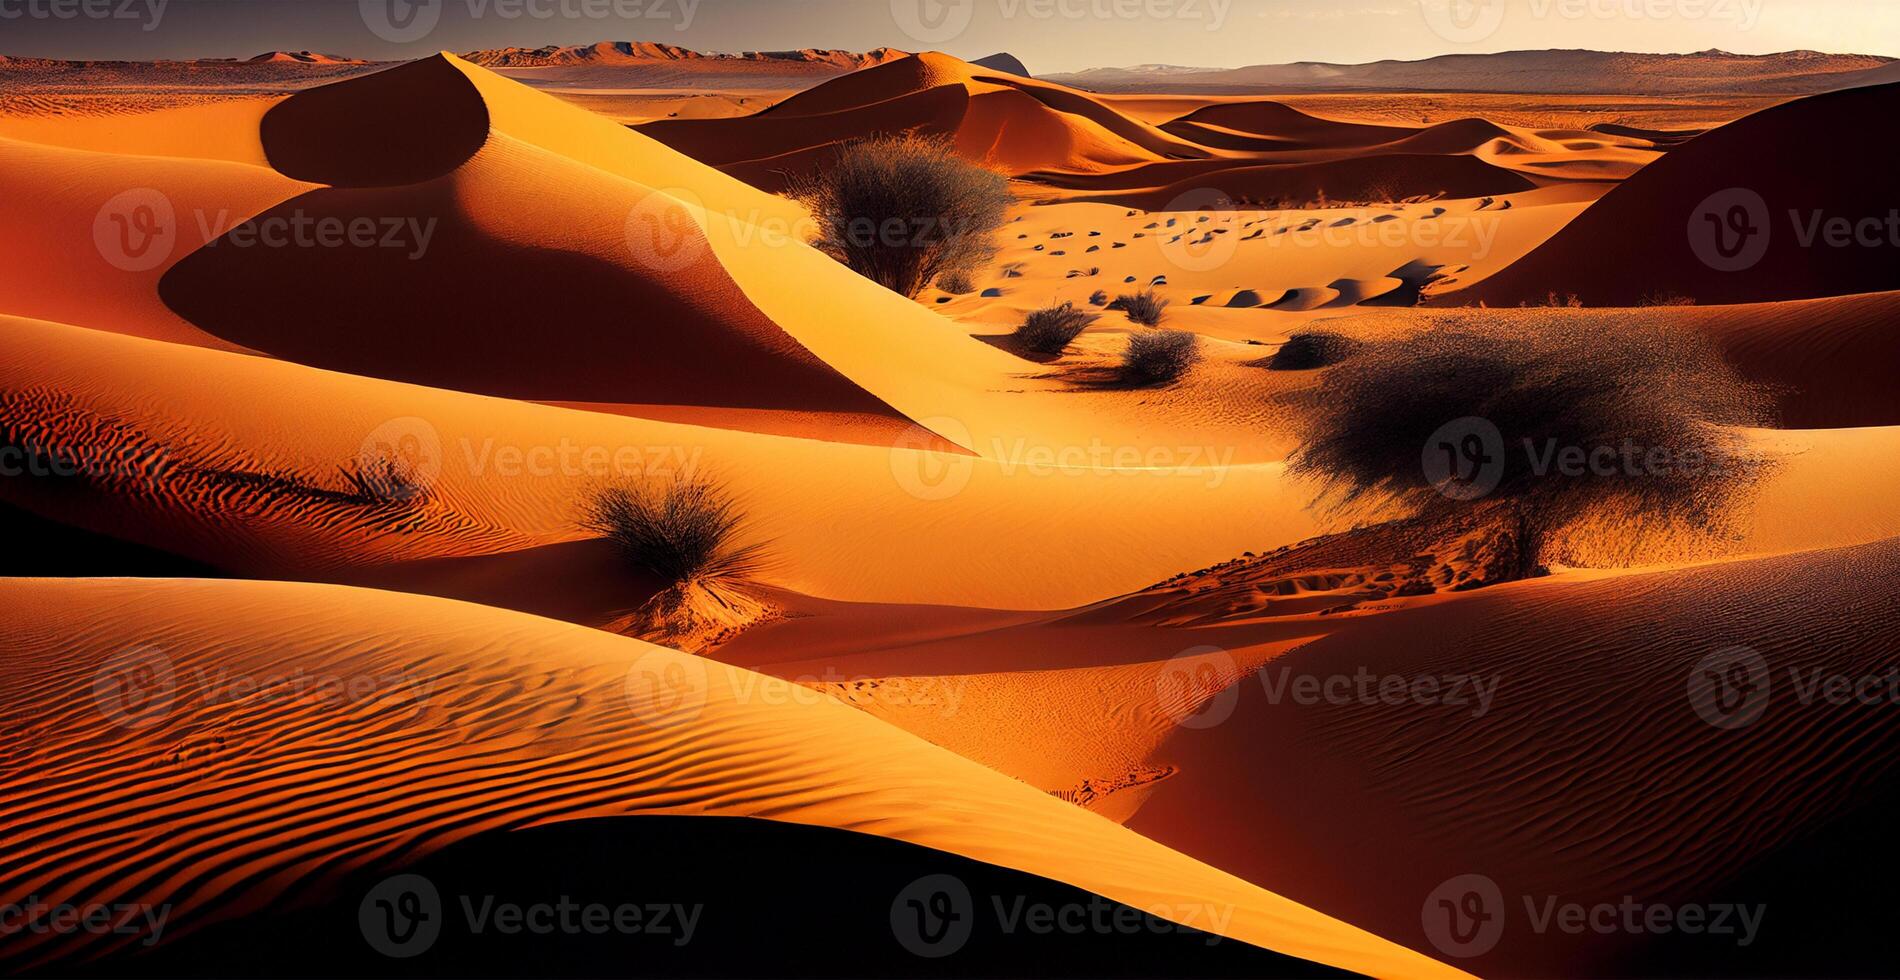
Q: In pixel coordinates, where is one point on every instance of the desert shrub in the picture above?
(1481, 421)
(1159, 356)
(904, 210)
(684, 533)
(956, 283)
(1144, 307)
(1098, 298)
(1666, 298)
(1050, 330)
(1311, 349)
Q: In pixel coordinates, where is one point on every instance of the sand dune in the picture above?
(1573, 783)
(1004, 120)
(496, 721)
(1719, 221)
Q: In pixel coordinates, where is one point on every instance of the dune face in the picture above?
(428, 500)
(1721, 222)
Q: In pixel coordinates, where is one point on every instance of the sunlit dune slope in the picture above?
(449, 720)
(1751, 212)
(241, 461)
(86, 236)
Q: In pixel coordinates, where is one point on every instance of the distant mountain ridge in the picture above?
(606, 53)
(1576, 72)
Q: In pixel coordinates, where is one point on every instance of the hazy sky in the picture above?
(1049, 35)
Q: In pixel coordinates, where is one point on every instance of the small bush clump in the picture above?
(1536, 428)
(1312, 349)
(1144, 307)
(1098, 298)
(956, 283)
(905, 210)
(685, 533)
(1159, 356)
(1052, 329)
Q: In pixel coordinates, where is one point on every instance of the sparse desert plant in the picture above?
(1098, 298)
(1312, 349)
(1159, 356)
(956, 283)
(904, 210)
(1531, 429)
(1666, 298)
(1144, 307)
(683, 534)
(1050, 330)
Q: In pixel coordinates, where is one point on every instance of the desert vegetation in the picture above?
(904, 211)
(1159, 356)
(1145, 307)
(1308, 350)
(1532, 430)
(1050, 330)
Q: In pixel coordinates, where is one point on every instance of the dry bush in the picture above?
(683, 534)
(1650, 409)
(1052, 329)
(1144, 307)
(905, 210)
(1312, 349)
(1159, 356)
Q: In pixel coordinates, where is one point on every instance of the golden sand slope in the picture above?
(176, 791)
(251, 479)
